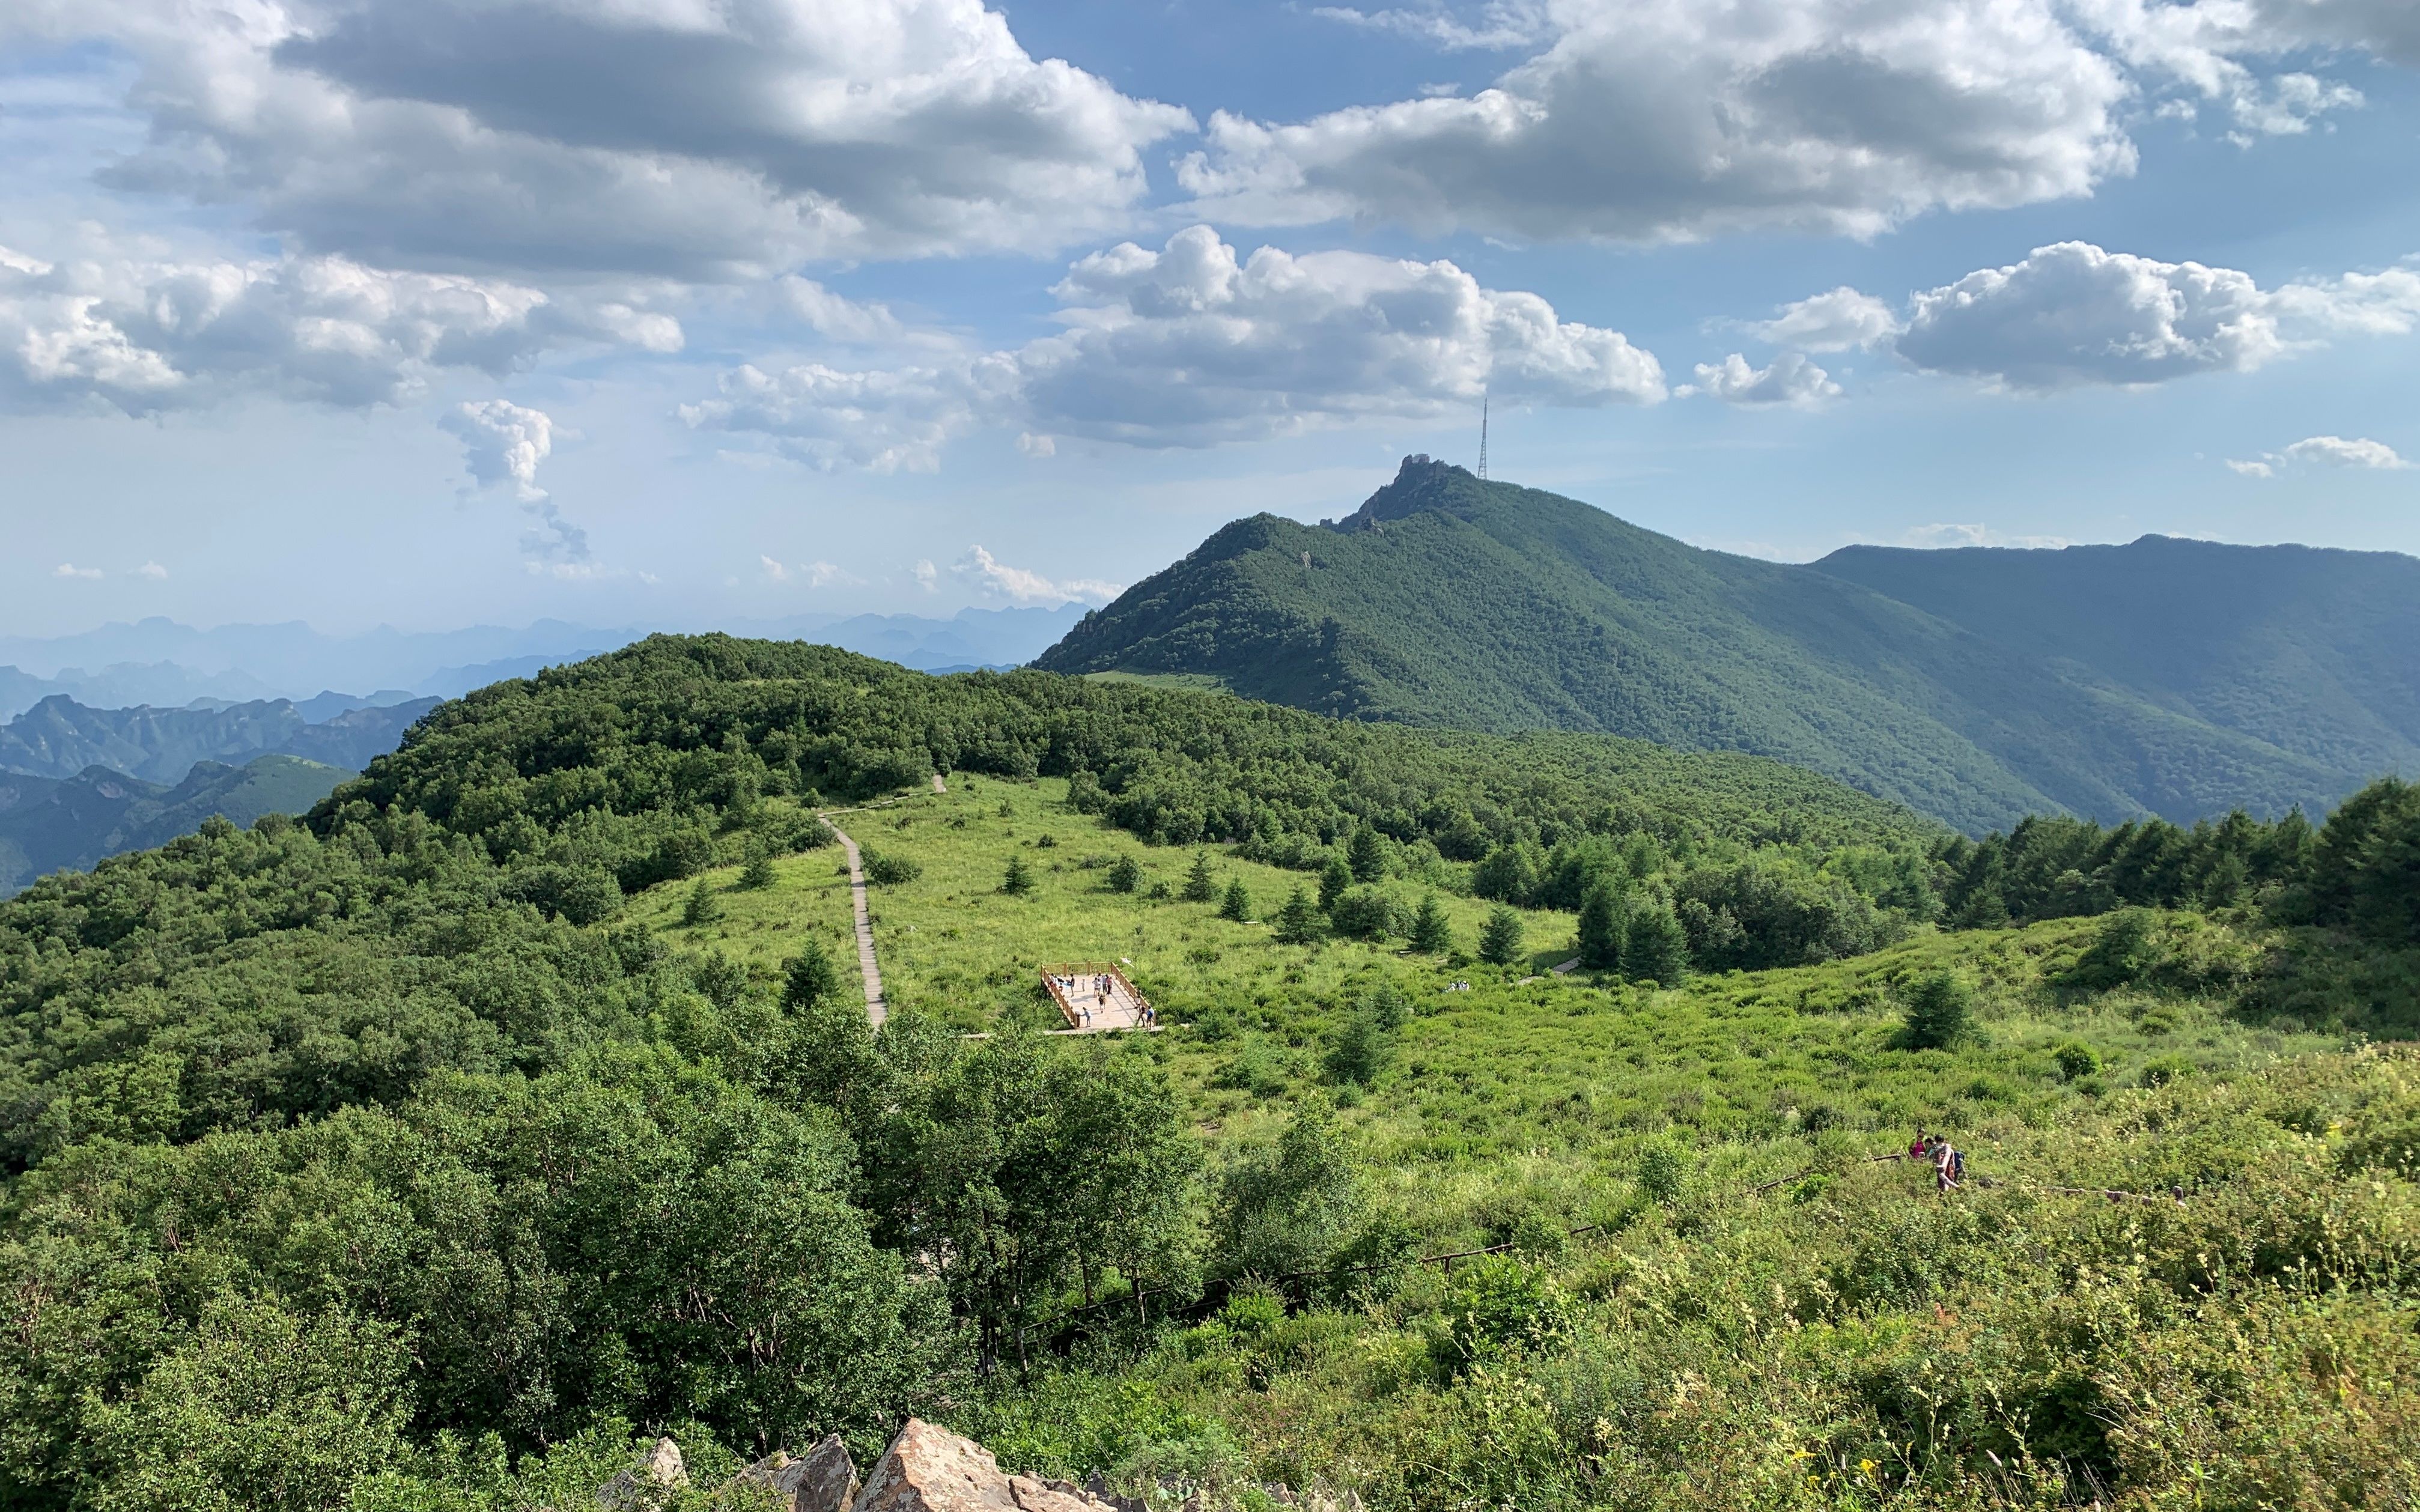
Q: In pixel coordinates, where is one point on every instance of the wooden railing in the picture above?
(1080, 969)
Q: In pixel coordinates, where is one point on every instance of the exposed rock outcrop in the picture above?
(644, 1487)
(929, 1469)
(823, 1480)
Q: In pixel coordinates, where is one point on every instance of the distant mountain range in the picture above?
(2173, 677)
(49, 824)
(60, 738)
(161, 663)
(78, 784)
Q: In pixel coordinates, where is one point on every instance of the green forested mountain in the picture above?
(1446, 600)
(50, 823)
(435, 1152)
(2312, 652)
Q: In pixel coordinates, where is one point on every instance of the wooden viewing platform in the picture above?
(1075, 988)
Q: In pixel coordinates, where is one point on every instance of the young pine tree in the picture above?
(1360, 1050)
(1939, 1010)
(1020, 879)
(701, 907)
(1237, 905)
(809, 978)
(1126, 874)
(1298, 921)
(1431, 933)
(1200, 886)
(1367, 857)
(1654, 947)
(758, 873)
(1602, 928)
(1333, 879)
(1499, 941)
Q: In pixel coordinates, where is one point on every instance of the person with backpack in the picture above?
(1947, 1166)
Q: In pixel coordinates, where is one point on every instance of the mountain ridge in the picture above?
(1447, 600)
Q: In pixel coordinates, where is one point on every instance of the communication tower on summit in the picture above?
(1483, 435)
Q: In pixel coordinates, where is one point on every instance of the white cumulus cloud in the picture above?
(1789, 379)
(2325, 451)
(1662, 119)
(69, 569)
(1192, 346)
(505, 443)
(502, 442)
(153, 571)
(994, 578)
(144, 335)
(813, 574)
(1833, 321)
(1952, 536)
(2073, 314)
(632, 136)
(1653, 120)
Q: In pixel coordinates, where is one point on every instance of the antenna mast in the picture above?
(1483, 435)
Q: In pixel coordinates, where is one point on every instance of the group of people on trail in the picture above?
(1948, 1161)
(1096, 989)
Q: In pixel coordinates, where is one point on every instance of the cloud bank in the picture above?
(2073, 315)
(1190, 345)
(1659, 121)
(143, 336)
(654, 138)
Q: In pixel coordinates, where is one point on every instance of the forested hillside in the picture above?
(1448, 601)
(437, 1151)
(2313, 651)
(49, 824)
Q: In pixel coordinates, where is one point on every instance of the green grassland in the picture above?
(952, 942)
(1785, 1320)
(1540, 1070)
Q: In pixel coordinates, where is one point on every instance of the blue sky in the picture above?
(672, 311)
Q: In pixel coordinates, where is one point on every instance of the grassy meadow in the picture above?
(1512, 1094)
(1756, 1312)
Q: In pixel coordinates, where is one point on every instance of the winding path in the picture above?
(878, 1008)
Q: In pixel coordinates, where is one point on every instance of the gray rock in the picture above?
(824, 1480)
(642, 1488)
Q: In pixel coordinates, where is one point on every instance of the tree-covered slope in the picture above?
(2310, 650)
(51, 824)
(1446, 600)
